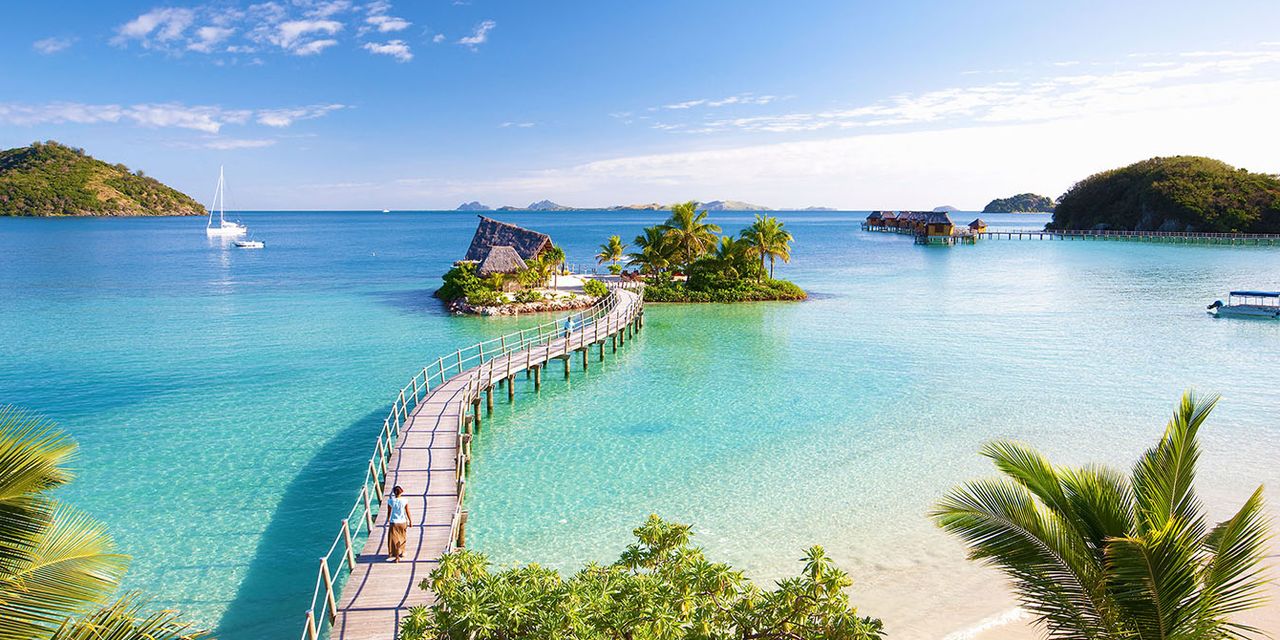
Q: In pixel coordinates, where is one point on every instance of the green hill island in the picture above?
(52, 179)
(1179, 193)
(1021, 203)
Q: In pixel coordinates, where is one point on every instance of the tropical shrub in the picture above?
(459, 282)
(529, 295)
(594, 288)
(486, 298)
(661, 588)
(615, 269)
(57, 565)
(1096, 553)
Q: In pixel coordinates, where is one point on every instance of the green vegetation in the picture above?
(1021, 203)
(661, 588)
(57, 565)
(611, 252)
(1181, 193)
(594, 288)
(717, 268)
(1095, 553)
(51, 179)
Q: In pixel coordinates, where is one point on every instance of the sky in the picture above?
(425, 104)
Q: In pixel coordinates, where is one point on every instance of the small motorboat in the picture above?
(386, 211)
(250, 244)
(1248, 304)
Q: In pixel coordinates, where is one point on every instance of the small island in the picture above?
(1021, 203)
(1179, 193)
(509, 270)
(52, 179)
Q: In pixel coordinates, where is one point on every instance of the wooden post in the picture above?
(462, 530)
(511, 389)
(537, 378)
(346, 539)
(488, 399)
(584, 358)
(459, 360)
(614, 340)
(312, 634)
(601, 351)
(566, 367)
(328, 591)
(475, 412)
(368, 507)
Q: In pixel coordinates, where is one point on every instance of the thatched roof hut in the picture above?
(491, 233)
(978, 224)
(500, 259)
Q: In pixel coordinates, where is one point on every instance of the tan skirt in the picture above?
(395, 538)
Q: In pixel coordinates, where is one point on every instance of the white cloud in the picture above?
(1125, 89)
(479, 36)
(289, 35)
(518, 125)
(388, 24)
(742, 98)
(52, 45)
(155, 27)
(286, 117)
(313, 47)
(208, 37)
(437, 38)
(397, 49)
(231, 144)
(329, 8)
(204, 118)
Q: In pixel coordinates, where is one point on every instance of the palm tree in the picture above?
(689, 232)
(1095, 553)
(766, 238)
(654, 253)
(729, 255)
(611, 251)
(554, 257)
(56, 564)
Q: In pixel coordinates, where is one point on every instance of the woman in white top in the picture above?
(398, 516)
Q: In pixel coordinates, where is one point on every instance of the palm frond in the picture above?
(1164, 476)
(1101, 501)
(72, 567)
(1152, 578)
(126, 619)
(1053, 572)
(33, 456)
(1234, 579)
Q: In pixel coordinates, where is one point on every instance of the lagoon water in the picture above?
(225, 400)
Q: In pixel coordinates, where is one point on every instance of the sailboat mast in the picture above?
(223, 198)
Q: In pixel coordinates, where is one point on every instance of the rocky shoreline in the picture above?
(461, 307)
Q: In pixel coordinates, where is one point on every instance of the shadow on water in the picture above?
(279, 579)
(413, 301)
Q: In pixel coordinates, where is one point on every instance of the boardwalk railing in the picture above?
(1181, 237)
(478, 359)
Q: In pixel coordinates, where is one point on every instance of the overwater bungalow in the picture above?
(978, 226)
(938, 224)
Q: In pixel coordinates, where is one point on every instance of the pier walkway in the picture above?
(425, 446)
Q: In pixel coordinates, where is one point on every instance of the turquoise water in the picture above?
(226, 400)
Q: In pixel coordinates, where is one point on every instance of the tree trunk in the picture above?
(770, 267)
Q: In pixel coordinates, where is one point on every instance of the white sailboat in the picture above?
(223, 229)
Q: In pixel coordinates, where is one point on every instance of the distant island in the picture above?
(1179, 193)
(946, 208)
(1021, 203)
(52, 179)
(548, 205)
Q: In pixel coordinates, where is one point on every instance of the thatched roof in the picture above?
(937, 217)
(500, 259)
(492, 233)
(977, 222)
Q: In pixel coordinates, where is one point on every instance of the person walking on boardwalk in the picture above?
(398, 516)
(568, 326)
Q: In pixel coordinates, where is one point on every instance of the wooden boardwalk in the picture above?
(424, 448)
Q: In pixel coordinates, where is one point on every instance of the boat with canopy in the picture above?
(1248, 304)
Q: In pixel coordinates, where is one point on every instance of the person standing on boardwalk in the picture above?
(398, 516)
(568, 326)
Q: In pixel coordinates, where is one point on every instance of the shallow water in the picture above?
(226, 400)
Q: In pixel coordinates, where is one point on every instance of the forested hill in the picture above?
(1179, 193)
(1021, 203)
(52, 179)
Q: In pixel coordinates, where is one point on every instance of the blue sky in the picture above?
(332, 104)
